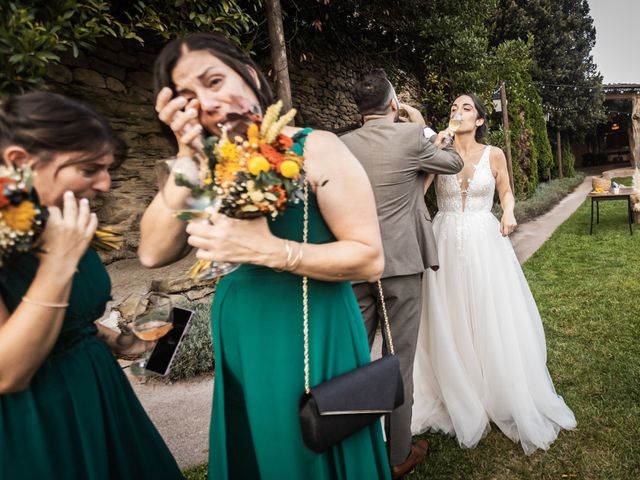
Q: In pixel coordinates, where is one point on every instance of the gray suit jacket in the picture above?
(397, 157)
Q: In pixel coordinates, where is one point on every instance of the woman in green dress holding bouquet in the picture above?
(257, 316)
(66, 409)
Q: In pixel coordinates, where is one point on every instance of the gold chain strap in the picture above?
(386, 318)
(305, 290)
(305, 298)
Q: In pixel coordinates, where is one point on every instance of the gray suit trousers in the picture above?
(403, 296)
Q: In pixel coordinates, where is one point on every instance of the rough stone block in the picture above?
(141, 93)
(141, 79)
(67, 58)
(104, 54)
(128, 60)
(110, 43)
(115, 85)
(89, 77)
(59, 73)
(107, 68)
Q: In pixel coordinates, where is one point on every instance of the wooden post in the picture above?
(559, 153)
(507, 137)
(634, 138)
(279, 53)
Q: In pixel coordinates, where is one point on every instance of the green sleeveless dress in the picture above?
(79, 419)
(258, 346)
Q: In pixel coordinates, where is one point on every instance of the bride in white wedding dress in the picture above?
(481, 353)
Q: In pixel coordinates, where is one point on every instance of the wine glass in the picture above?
(184, 192)
(152, 319)
(454, 124)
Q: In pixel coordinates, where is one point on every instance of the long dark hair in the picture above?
(481, 131)
(46, 124)
(222, 49)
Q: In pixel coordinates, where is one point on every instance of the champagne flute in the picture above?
(184, 192)
(454, 124)
(152, 319)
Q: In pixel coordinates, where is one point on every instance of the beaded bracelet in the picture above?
(44, 304)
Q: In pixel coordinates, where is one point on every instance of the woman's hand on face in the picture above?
(67, 233)
(181, 115)
(233, 240)
(507, 224)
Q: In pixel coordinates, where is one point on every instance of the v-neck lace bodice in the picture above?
(476, 197)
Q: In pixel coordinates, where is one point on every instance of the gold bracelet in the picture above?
(296, 260)
(289, 252)
(44, 304)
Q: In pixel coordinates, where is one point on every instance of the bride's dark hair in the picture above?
(481, 131)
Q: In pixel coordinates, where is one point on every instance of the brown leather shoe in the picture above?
(416, 455)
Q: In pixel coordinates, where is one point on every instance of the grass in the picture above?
(587, 291)
(196, 473)
(587, 288)
(195, 355)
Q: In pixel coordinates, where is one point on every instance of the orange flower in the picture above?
(284, 141)
(281, 193)
(4, 201)
(272, 154)
(20, 217)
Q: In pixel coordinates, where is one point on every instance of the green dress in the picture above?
(258, 346)
(79, 418)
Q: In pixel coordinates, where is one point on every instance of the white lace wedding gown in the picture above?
(481, 353)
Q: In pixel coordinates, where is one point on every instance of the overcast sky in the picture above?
(617, 40)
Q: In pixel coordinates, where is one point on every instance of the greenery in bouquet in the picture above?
(22, 218)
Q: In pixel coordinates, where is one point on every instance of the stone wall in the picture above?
(116, 78)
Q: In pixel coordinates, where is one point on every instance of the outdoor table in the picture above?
(624, 194)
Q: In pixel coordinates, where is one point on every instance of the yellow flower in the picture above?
(253, 134)
(20, 217)
(289, 169)
(258, 164)
(228, 151)
(226, 172)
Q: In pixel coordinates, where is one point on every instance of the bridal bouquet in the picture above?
(250, 170)
(22, 219)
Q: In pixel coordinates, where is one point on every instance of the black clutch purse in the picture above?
(338, 408)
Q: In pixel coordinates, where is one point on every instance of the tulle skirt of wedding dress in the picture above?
(481, 353)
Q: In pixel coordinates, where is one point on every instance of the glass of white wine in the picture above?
(152, 319)
(454, 124)
(183, 190)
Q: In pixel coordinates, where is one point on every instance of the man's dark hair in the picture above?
(373, 92)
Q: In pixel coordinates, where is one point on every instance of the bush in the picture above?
(544, 199)
(195, 355)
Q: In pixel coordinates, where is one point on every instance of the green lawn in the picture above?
(588, 290)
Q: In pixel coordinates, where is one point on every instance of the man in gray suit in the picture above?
(397, 157)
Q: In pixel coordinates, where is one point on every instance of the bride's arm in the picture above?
(428, 181)
(507, 202)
